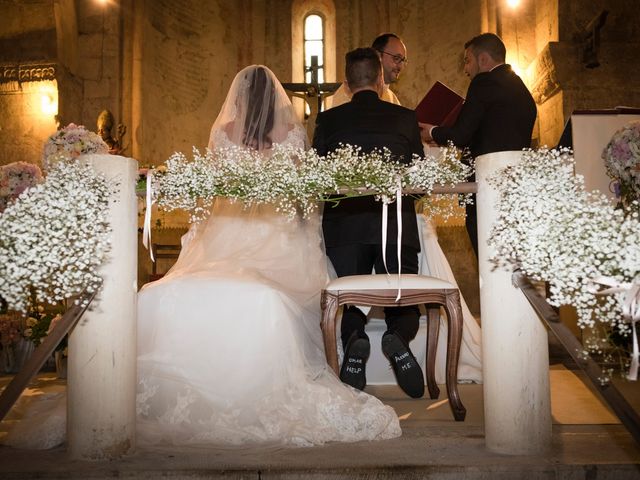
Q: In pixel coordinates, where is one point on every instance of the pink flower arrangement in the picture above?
(15, 178)
(72, 141)
(622, 161)
(11, 329)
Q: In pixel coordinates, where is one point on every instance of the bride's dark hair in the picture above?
(260, 110)
(257, 112)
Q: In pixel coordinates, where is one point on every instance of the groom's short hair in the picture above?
(363, 68)
(490, 43)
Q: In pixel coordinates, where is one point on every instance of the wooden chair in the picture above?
(162, 251)
(382, 290)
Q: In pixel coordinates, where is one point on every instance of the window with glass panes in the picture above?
(313, 46)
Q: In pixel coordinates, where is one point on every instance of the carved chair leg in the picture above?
(433, 328)
(329, 304)
(454, 316)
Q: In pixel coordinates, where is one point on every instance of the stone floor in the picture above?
(587, 443)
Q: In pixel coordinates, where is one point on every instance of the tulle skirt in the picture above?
(229, 344)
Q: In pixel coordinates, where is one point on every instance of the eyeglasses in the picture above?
(397, 59)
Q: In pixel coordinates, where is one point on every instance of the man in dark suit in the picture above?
(498, 113)
(352, 229)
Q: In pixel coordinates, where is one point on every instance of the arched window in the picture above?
(313, 50)
(313, 32)
(313, 45)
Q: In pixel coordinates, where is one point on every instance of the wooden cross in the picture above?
(313, 93)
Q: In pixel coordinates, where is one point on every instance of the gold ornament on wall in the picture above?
(105, 124)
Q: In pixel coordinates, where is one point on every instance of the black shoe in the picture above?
(405, 366)
(355, 357)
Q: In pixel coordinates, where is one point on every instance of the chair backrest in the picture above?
(389, 282)
(167, 251)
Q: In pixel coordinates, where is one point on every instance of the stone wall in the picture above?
(192, 50)
(190, 56)
(99, 53)
(82, 39)
(433, 32)
(560, 79)
(163, 67)
(27, 37)
(24, 127)
(546, 22)
(27, 31)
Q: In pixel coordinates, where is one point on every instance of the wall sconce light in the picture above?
(513, 3)
(516, 69)
(49, 102)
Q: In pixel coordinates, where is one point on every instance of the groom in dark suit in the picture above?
(352, 229)
(498, 113)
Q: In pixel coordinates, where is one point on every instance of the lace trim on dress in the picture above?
(313, 413)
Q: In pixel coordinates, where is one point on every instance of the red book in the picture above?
(440, 106)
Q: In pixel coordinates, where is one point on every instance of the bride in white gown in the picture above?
(229, 344)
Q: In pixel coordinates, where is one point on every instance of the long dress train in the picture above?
(229, 344)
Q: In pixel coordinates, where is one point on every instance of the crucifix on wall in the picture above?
(313, 93)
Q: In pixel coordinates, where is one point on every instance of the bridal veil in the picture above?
(256, 113)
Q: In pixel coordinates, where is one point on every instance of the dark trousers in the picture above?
(471, 222)
(359, 260)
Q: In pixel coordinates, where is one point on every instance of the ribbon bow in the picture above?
(385, 220)
(146, 231)
(630, 310)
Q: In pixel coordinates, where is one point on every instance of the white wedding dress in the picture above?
(230, 350)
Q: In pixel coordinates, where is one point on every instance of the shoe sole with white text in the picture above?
(408, 372)
(353, 366)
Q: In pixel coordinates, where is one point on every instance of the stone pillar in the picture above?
(102, 346)
(515, 356)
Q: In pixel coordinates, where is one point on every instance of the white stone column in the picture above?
(515, 357)
(102, 346)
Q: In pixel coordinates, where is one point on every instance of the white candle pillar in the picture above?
(102, 346)
(515, 356)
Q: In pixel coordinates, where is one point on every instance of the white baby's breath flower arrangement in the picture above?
(353, 172)
(295, 179)
(549, 226)
(55, 235)
(237, 173)
(445, 170)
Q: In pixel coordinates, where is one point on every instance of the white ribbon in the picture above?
(385, 221)
(630, 311)
(146, 231)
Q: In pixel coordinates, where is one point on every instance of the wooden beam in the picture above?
(40, 355)
(462, 187)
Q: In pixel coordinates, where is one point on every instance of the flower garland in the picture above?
(555, 231)
(56, 234)
(295, 179)
(71, 142)
(622, 160)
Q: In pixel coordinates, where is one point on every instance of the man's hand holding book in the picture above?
(439, 107)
